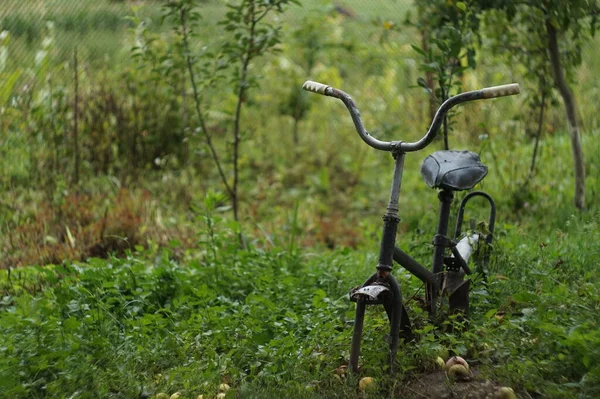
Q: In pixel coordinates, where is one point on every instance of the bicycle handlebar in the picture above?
(489, 92)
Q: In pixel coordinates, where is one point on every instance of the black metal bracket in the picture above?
(482, 266)
(443, 241)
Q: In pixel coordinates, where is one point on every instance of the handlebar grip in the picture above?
(501, 91)
(315, 87)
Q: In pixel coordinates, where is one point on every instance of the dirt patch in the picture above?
(437, 385)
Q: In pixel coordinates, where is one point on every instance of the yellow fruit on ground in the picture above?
(440, 362)
(224, 387)
(176, 395)
(505, 393)
(200, 397)
(221, 395)
(458, 371)
(162, 395)
(454, 360)
(366, 384)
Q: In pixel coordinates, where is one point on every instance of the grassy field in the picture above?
(131, 283)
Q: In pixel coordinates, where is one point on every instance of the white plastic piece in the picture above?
(466, 244)
(501, 91)
(315, 87)
(372, 290)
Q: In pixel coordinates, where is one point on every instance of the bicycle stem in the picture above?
(391, 218)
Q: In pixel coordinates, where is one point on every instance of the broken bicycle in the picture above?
(448, 171)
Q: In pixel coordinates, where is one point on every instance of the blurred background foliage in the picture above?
(108, 171)
(97, 106)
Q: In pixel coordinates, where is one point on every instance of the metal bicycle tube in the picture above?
(445, 198)
(461, 212)
(386, 253)
(396, 319)
(391, 219)
(491, 222)
(414, 267)
(359, 319)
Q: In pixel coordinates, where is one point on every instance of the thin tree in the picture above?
(559, 29)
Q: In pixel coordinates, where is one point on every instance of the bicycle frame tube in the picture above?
(390, 218)
(440, 246)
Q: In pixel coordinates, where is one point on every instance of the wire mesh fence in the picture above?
(71, 82)
(100, 29)
(96, 28)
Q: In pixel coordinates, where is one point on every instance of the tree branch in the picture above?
(207, 137)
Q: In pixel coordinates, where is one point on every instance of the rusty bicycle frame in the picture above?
(382, 287)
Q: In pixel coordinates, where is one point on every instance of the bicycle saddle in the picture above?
(453, 170)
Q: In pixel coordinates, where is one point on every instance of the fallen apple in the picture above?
(458, 371)
(454, 360)
(224, 387)
(440, 362)
(505, 393)
(176, 395)
(161, 395)
(366, 384)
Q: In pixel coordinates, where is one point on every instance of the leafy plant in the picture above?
(251, 36)
(448, 32)
(557, 52)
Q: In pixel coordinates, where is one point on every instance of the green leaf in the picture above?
(7, 87)
(419, 50)
(525, 297)
(317, 300)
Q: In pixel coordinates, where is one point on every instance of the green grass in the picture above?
(182, 308)
(278, 321)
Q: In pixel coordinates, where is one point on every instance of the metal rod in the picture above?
(390, 218)
(460, 260)
(414, 267)
(491, 223)
(359, 319)
(461, 212)
(396, 320)
(445, 198)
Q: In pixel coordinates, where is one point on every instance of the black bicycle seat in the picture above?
(453, 170)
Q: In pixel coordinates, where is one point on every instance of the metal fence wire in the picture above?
(99, 29)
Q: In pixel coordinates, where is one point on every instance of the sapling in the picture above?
(448, 31)
(249, 35)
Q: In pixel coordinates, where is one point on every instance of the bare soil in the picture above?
(437, 385)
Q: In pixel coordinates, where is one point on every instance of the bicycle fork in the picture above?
(383, 282)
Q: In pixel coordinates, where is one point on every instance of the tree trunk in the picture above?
(571, 110)
(537, 137)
